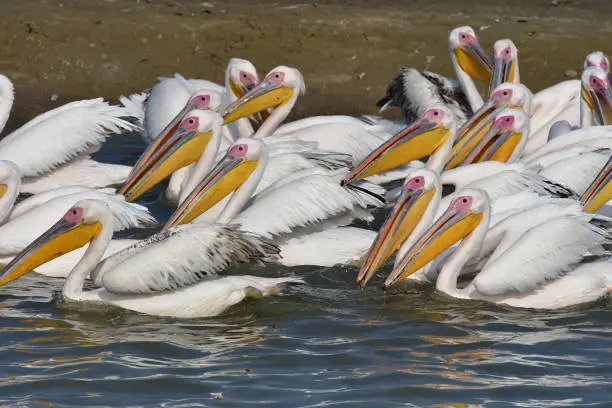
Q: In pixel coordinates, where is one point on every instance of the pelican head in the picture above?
(419, 139)
(281, 85)
(505, 139)
(506, 95)
(597, 94)
(241, 76)
(513, 95)
(232, 171)
(465, 213)
(81, 224)
(600, 190)
(184, 146)
(204, 100)
(469, 54)
(421, 188)
(597, 59)
(505, 64)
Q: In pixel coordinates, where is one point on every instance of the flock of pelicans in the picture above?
(526, 225)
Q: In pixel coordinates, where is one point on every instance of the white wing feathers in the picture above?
(135, 105)
(577, 172)
(535, 258)
(302, 200)
(63, 134)
(82, 171)
(181, 257)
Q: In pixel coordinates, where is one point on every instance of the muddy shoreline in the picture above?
(348, 51)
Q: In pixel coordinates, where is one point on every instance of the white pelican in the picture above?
(414, 91)
(433, 135)
(574, 158)
(168, 98)
(53, 148)
(280, 90)
(305, 212)
(505, 64)
(199, 138)
(506, 95)
(21, 223)
(531, 273)
(420, 199)
(168, 275)
(560, 103)
(203, 99)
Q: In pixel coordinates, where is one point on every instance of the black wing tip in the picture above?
(385, 100)
(359, 189)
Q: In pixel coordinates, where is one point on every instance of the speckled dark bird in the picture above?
(414, 91)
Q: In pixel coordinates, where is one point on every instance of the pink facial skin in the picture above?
(190, 123)
(505, 122)
(416, 183)
(74, 214)
(248, 79)
(434, 115)
(275, 77)
(238, 151)
(598, 84)
(502, 95)
(200, 101)
(466, 38)
(462, 203)
(505, 54)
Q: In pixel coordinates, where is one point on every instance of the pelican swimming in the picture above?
(306, 213)
(560, 103)
(513, 187)
(198, 140)
(163, 104)
(53, 149)
(280, 90)
(21, 223)
(415, 91)
(574, 158)
(170, 274)
(530, 273)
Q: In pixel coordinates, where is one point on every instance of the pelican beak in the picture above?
(239, 88)
(225, 177)
(159, 141)
(420, 139)
(504, 70)
(474, 61)
(600, 190)
(600, 103)
(181, 149)
(400, 223)
(472, 132)
(263, 96)
(64, 236)
(452, 226)
(3, 190)
(495, 145)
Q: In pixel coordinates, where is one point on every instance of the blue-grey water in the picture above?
(327, 343)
